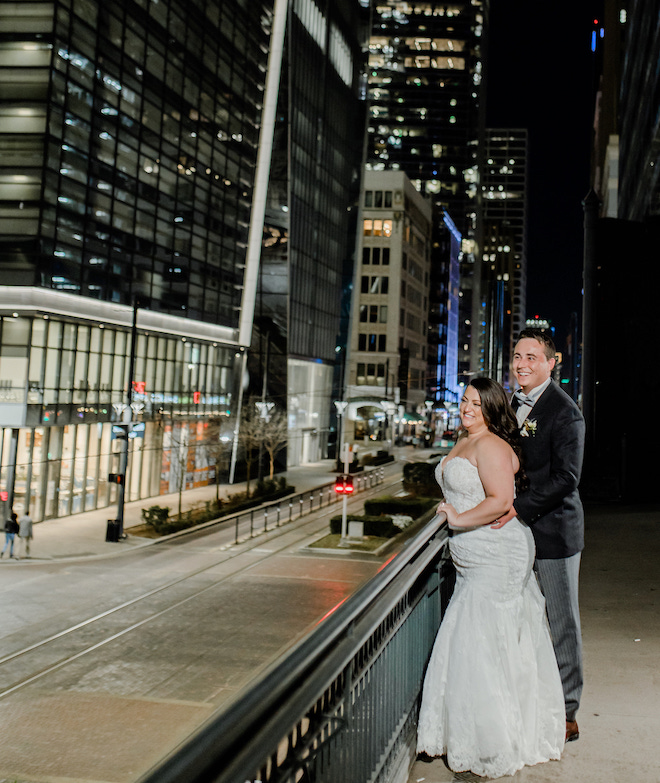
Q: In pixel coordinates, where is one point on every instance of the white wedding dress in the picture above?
(492, 699)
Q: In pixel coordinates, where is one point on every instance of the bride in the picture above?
(492, 698)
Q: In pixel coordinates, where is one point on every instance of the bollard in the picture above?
(112, 530)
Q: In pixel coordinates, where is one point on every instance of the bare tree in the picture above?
(176, 439)
(217, 445)
(250, 436)
(274, 435)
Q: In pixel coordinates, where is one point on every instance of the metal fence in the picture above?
(342, 705)
(271, 515)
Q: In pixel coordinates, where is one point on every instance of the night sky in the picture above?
(542, 76)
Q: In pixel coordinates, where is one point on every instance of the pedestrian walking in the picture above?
(25, 534)
(11, 528)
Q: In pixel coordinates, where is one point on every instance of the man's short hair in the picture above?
(541, 337)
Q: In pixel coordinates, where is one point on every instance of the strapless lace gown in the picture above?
(492, 698)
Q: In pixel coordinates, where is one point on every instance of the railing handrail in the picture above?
(224, 749)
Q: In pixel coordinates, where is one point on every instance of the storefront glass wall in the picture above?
(73, 380)
(309, 399)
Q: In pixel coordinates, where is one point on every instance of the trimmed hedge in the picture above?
(240, 502)
(413, 507)
(381, 458)
(419, 479)
(158, 517)
(378, 514)
(380, 526)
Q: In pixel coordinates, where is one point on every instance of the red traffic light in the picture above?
(344, 485)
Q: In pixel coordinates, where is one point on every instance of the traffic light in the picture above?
(344, 485)
(116, 478)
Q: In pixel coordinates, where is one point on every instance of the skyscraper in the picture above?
(639, 105)
(308, 250)
(388, 356)
(425, 86)
(504, 186)
(135, 162)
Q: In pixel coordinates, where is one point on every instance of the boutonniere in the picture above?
(529, 428)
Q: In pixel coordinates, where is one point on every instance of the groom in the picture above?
(553, 444)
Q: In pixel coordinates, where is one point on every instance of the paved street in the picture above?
(112, 653)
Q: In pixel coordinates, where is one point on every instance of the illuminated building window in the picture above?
(313, 20)
(340, 55)
(377, 228)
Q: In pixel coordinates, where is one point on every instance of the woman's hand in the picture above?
(450, 513)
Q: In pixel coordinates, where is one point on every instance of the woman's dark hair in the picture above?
(501, 420)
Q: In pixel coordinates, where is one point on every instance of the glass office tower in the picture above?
(504, 186)
(426, 86)
(311, 214)
(129, 135)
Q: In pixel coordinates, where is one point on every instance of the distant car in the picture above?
(448, 435)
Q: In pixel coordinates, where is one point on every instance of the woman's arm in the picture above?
(495, 466)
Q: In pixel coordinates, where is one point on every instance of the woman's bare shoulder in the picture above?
(493, 447)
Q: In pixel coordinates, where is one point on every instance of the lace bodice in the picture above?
(460, 483)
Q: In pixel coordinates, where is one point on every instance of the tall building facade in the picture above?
(443, 330)
(622, 220)
(387, 359)
(638, 109)
(308, 252)
(504, 186)
(138, 223)
(426, 69)
(128, 145)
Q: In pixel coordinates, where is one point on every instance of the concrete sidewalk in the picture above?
(619, 716)
(83, 535)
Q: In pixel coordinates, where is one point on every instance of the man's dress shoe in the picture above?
(572, 731)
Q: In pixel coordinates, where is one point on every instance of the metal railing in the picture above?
(342, 705)
(268, 516)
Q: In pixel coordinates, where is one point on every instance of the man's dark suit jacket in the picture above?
(552, 457)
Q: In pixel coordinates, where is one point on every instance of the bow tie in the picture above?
(523, 399)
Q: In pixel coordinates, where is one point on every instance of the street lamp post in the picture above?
(428, 404)
(115, 529)
(264, 409)
(128, 420)
(390, 409)
(340, 405)
(451, 407)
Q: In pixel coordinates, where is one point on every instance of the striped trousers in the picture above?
(558, 580)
